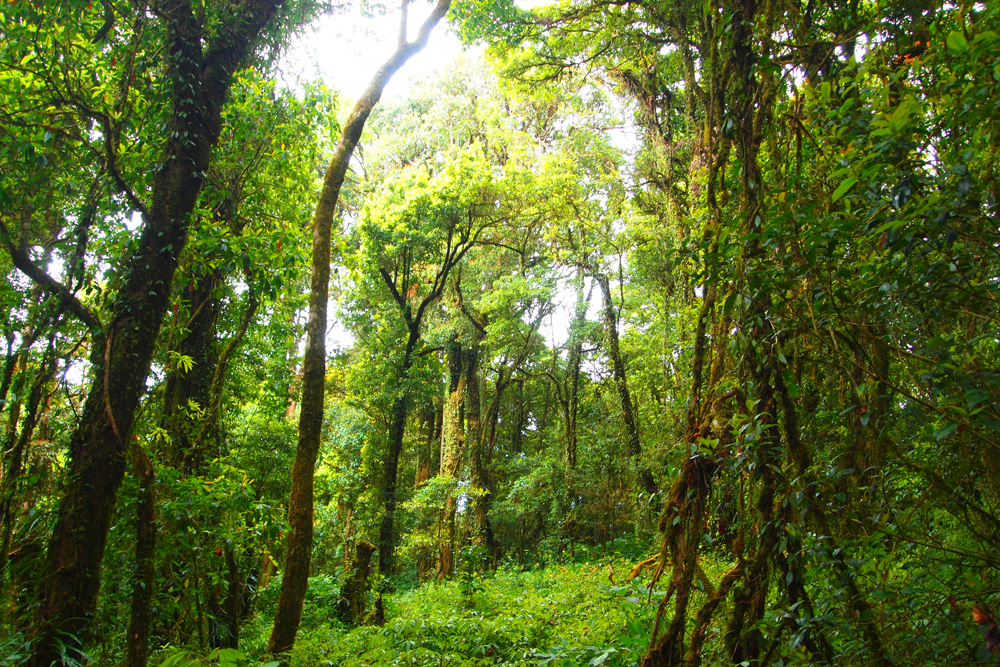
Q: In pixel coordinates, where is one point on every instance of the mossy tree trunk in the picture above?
(573, 362)
(298, 555)
(354, 593)
(200, 70)
(140, 619)
(632, 443)
(452, 448)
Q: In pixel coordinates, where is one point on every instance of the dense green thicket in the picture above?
(705, 289)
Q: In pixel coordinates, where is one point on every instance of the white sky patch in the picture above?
(556, 327)
(345, 50)
(133, 222)
(338, 338)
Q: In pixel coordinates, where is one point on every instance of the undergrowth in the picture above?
(560, 615)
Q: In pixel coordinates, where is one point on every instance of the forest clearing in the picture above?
(649, 333)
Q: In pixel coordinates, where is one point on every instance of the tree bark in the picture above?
(482, 530)
(432, 422)
(224, 619)
(452, 448)
(16, 451)
(390, 471)
(867, 448)
(427, 466)
(190, 437)
(351, 607)
(181, 387)
(573, 369)
(300, 505)
(751, 104)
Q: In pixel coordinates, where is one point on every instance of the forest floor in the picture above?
(557, 615)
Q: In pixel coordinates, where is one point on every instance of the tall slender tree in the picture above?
(300, 505)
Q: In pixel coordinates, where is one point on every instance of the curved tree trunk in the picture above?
(300, 504)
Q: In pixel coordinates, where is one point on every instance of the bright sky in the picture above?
(344, 51)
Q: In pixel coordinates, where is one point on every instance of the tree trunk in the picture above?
(204, 384)
(427, 462)
(194, 438)
(682, 522)
(573, 369)
(9, 366)
(181, 387)
(431, 425)
(14, 411)
(751, 105)
(867, 448)
(633, 447)
(300, 504)
(16, 451)
(452, 449)
(137, 641)
(517, 430)
(353, 595)
(224, 620)
(482, 531)
(122, 352)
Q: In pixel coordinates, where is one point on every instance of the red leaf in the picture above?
(980, 615)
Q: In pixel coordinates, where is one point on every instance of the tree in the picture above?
(300, 504)
(201, 54)
(415, 238)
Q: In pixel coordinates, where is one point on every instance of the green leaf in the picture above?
(956, 42)
(843, 188)
(943, 433)
(984, 36)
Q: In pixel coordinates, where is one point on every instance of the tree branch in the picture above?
(23, 262)
(391, 284)
(404, 11)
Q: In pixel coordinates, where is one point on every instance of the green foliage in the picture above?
(488, 20)
(223, 657)
(559, 613)
(799, 234)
